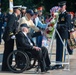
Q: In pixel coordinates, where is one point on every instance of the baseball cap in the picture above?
(30, 11)
(24, 25)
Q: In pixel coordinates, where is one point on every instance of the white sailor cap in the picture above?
(17, 7)
(23, 7)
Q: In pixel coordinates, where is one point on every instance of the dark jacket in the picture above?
(1, 21)
(22, 41)
(64, 25)
(11, 28)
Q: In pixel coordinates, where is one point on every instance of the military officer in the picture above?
(1, 24)
(9, 35)
(63, 26)
(23, 11)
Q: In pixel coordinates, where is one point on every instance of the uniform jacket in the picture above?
(1, 21)
(64, 24)
(11, 28)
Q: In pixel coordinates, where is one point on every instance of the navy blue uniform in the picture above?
(62, 27)
(1, 24)
(10, 30)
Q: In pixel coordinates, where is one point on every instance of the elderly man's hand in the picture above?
(37, 48)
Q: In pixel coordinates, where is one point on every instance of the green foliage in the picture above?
(4, 5)
(36, 3)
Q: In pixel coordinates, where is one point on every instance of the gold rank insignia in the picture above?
(11, 33)
(62, 19)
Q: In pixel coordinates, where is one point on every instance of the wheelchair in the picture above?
(21, 61)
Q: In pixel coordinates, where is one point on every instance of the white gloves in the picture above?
(72, 29)
(2, 27)
(13, 37)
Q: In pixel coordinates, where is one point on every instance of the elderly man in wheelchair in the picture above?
(26, 50)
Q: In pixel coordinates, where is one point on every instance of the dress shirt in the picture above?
(63, 12)
(28, 39)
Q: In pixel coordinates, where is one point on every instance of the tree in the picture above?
(4, 5)
(71, 4)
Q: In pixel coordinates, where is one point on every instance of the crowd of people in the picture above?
(24, 22)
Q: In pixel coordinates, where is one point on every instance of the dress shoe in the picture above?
(49, 68)
(71, 52)
(54, 67)
(43, 70)
(57, 67)
(60, 67)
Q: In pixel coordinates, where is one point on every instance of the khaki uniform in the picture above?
(29, 23)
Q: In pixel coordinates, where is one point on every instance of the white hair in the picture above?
(22, 28)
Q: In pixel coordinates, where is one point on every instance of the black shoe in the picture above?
(43, 70)
(71, 52)
(57, 67)
(60, 67)
(54, 67)
(49, 68)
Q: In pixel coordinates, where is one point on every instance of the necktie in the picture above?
(29, 41)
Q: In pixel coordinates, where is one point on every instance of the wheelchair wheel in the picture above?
(32, 63)
(18, 61)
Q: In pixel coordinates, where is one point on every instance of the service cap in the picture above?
(17, 7)
(23, 7)
(62, 3)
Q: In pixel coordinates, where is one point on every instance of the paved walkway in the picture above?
(51, 72)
